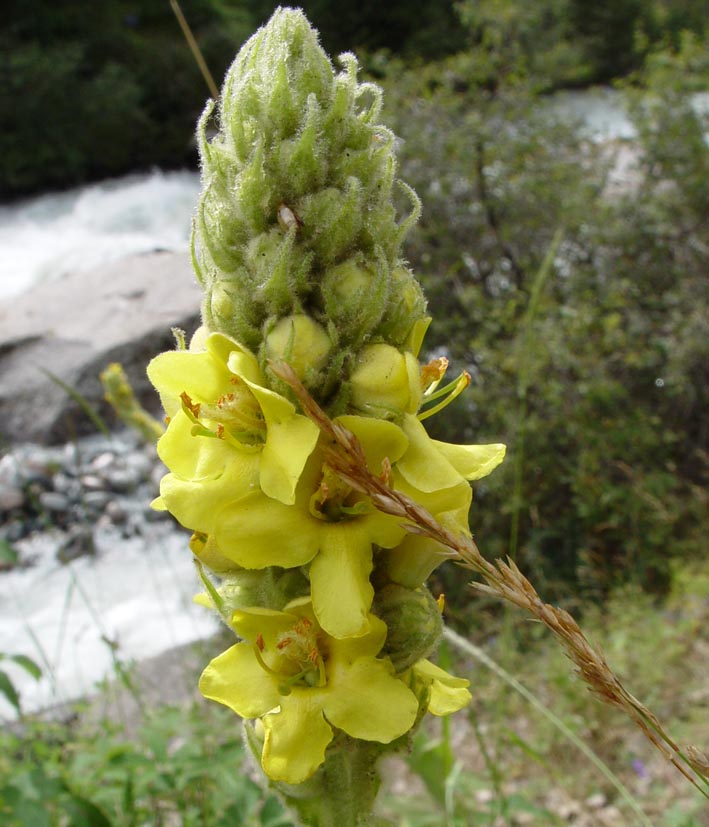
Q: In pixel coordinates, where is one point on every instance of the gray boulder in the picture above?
(76, 326)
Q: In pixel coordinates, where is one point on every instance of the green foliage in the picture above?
(599, 391)
(184, 767)
(572, 42)
(428, 31)
(105, 88)
(7, 687)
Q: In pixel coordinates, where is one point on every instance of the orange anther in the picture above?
(191, 406)
(433, 372)
(259, 642)
(286, 641)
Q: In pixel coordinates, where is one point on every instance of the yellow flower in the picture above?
(228, 435)
(302, 682)
(446, 693)
(329, 526)
(436, 475)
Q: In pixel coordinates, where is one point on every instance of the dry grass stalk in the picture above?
(503, 579)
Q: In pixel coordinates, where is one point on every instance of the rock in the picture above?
(123, 480)
(116, 512)
(596, 801)
(73, 328)
(92, 482)
(96, 501)
(10, 497)
(54, 501)
(79, 543)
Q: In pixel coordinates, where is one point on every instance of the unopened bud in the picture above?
(413, 622)
(385, 382)
(301, 342)
(355, 296)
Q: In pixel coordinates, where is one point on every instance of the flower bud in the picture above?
(385, 382)
(355, 295)
(406, 307)
(413, 622)
(301, 342)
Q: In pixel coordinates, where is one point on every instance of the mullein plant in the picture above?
(311, 316)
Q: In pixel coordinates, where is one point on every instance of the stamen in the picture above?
(458, 387)
(189, 406)
(432, 373)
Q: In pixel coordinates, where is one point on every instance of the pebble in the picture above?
(96, 500)
(93, 482)
(79, 543)
(102, 462)
(116, 511)
(596, 801)
(76, 487)
(10, 497)
(123, 480)
(54, 501)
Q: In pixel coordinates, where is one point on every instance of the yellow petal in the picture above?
(423, 466)
(348, 650)
(447, 693)
(290, 439)
(296, 738)
(195, 503)
(199, 374)
(366, 701)
(257, 531)
(472, 461)
(236, 679)
(378, 437)
(254, 622)
(339, 579)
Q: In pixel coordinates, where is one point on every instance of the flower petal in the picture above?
(236, 679)
(339, 579)
(195, 503)
(268, 623)
(296, 738)
(290, 440)
(472, 461)
(200, 374)
(366, 701)
(423, 465)
(378, 437)
(447, 693)
(257, 531)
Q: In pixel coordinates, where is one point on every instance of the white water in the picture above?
(130, 602)
(45, 237)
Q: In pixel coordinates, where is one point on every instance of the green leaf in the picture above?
(8, 555)
(7, 688)
(21, 811)
(82, 813)
(30, 666)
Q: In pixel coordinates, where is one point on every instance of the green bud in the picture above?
(298, 186)
(406, 307)
(413, 622)
(355, 297)
(385, 382)
(302, 343)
